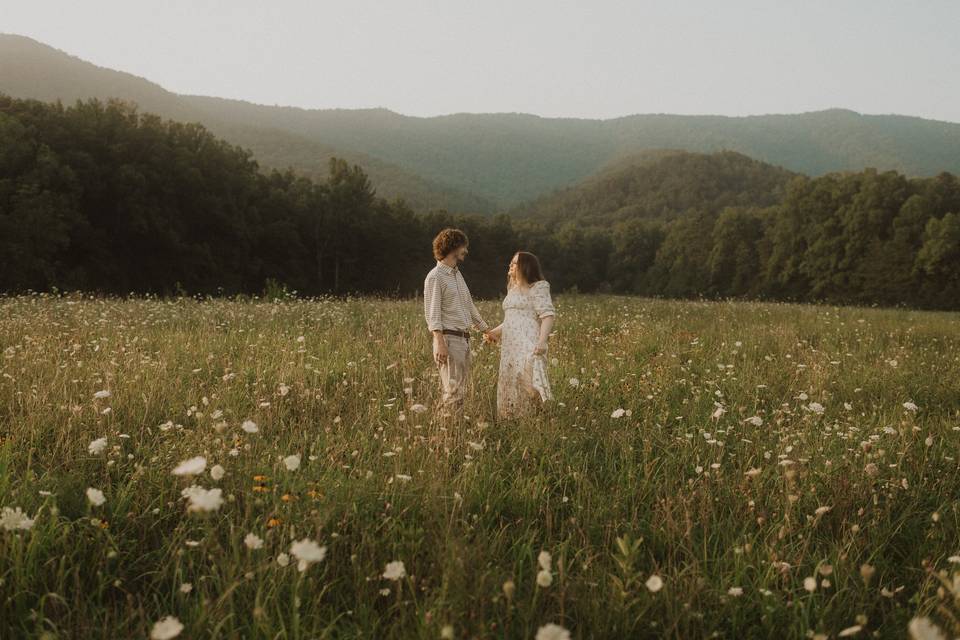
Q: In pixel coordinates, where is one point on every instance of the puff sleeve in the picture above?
(542, 302)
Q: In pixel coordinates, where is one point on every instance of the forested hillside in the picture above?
(659, 185)
(481, 163)
(103, 198)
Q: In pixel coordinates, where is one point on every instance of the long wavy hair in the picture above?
(528, 267)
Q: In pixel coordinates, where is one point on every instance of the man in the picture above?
(450, 313)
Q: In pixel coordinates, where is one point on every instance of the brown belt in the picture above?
(454, 332)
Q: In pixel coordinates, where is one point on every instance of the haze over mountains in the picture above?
(489, 162)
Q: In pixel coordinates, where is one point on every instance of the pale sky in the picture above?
(591, 59)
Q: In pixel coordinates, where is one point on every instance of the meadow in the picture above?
(274, 469)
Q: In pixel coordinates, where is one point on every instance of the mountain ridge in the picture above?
(470, 162)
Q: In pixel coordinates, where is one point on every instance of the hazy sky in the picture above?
(596, 59)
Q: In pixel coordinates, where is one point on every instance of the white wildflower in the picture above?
(552, 632)
(394, 570)
(166, 629)
(307, 552)
(203, 499)
(95, 496)
(654, 583)
(190, 467)
(923, 628)
(14, 519)
(97, 446)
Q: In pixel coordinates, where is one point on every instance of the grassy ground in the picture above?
(835, 507)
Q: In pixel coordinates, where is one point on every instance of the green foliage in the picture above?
(98, 197)
(718, 501)
(480, 163)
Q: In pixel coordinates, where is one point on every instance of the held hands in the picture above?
(490, 337)
(540, 349)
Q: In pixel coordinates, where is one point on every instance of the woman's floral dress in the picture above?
(523, 382)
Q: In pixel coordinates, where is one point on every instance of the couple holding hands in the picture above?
(528, 319)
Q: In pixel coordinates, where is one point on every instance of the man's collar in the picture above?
(446, 267)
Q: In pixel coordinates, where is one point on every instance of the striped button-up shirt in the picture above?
(446, 301)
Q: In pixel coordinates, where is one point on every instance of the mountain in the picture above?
(661, 185)
(474, 162)
(29, 69)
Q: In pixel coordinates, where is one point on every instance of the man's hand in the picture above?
(490, 337)
(439, 349)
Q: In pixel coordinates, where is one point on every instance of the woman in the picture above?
(528, 319)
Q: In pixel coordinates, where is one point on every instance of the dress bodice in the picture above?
(534, 302)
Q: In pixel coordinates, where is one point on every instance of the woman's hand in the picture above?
(540, 349)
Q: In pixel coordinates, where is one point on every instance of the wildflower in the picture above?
(923, 628)
(544, 578)
(95, 496)
(756, 421)
(544, 560)
(394, 570)
(552, 632)
(822, 510)
(752, 472)
(283, 559)
(253, 541)
(446, 633)
(574, 382)
(850, 631)
(617, 413)
(14, 519)
(509, 588)
(654, 583)
(307, 552)
(100, 395)
(735, 591)
(909, 406)
(203, 499)
(816, 408)
(292, 463)
(191, 467)
(186, 587)
(810, 584)
(418, 408)
(250, 426)
(166, 628)
(217, 472)
(97, 446)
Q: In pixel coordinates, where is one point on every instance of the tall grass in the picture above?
(765, 467)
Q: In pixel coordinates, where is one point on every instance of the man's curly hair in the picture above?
(448, 240)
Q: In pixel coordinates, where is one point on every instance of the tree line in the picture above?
(101, 198)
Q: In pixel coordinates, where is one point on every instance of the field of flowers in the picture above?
(273, 469)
